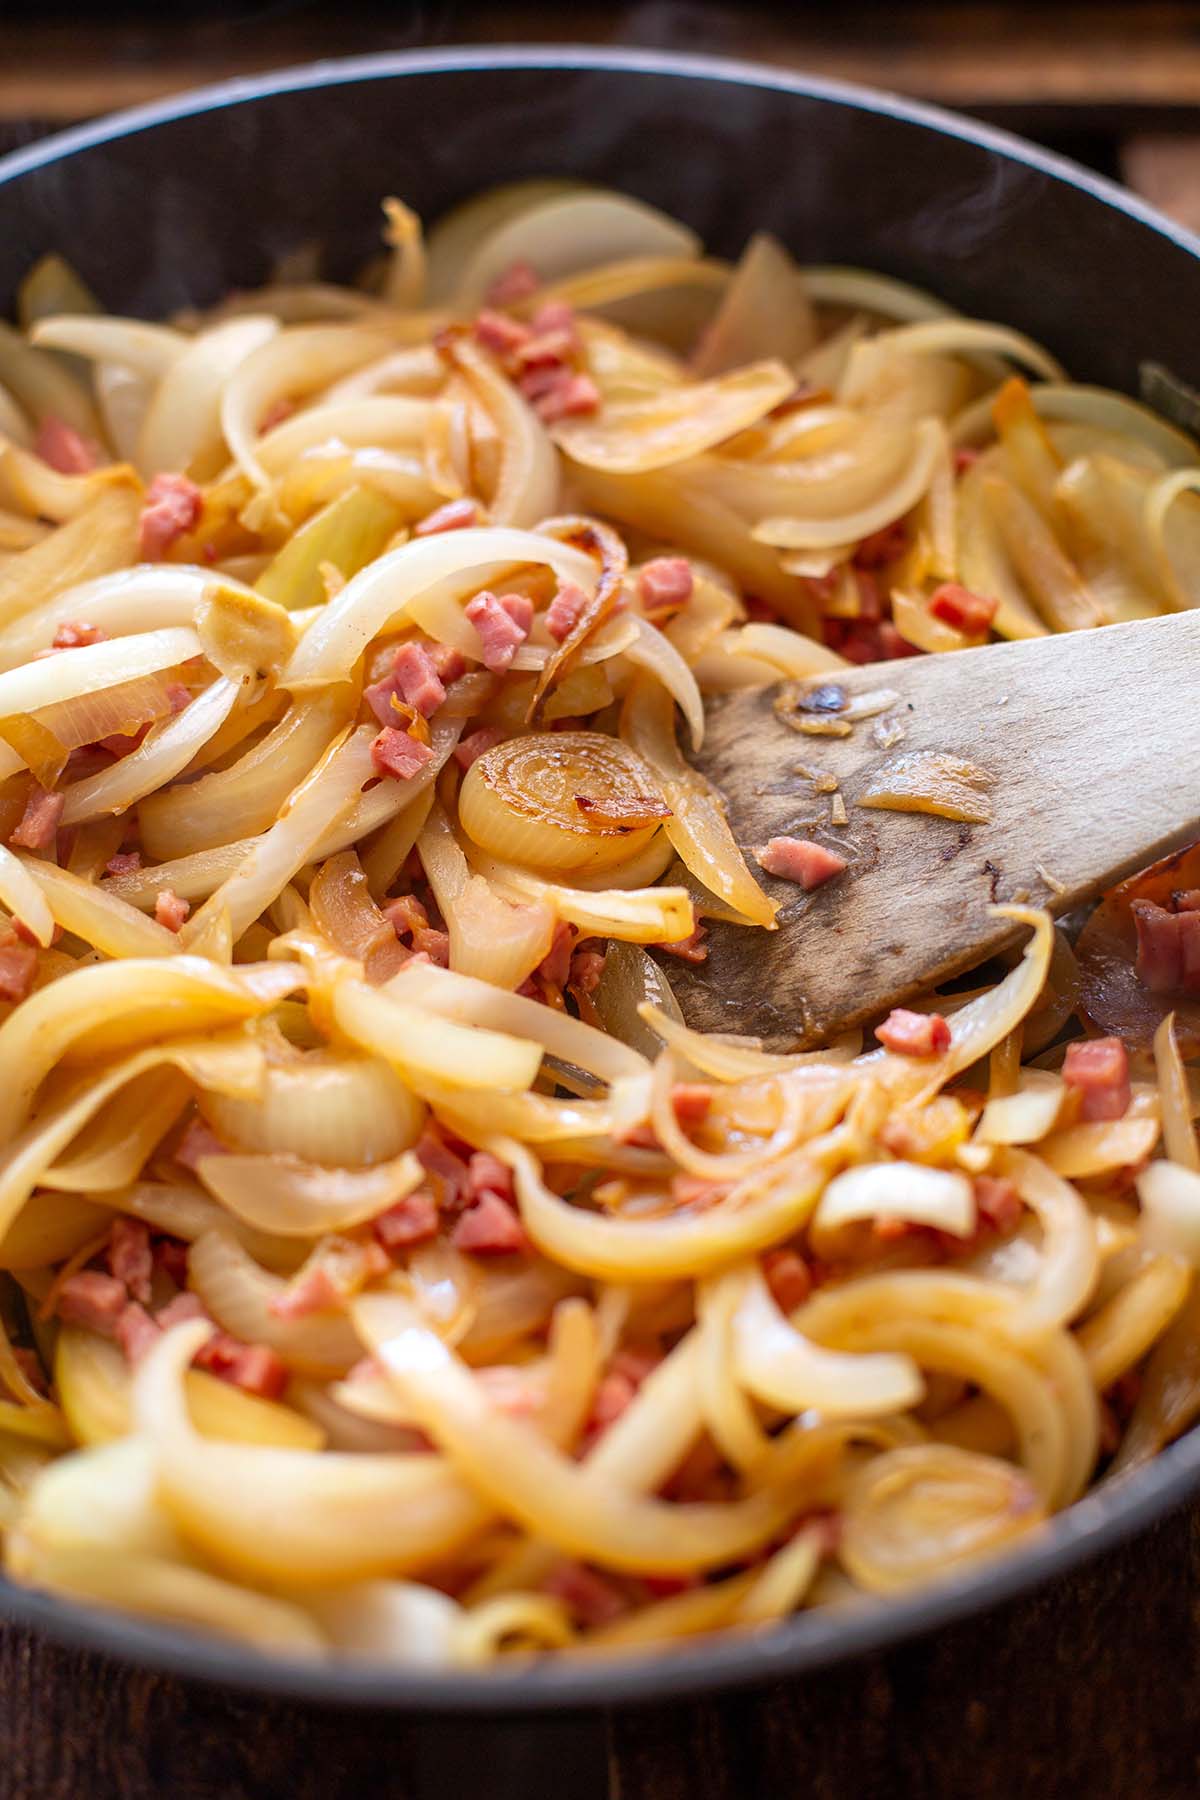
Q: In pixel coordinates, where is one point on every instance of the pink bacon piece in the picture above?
(473, 747)
(397, 755)
(1099, 1069)
(18, 966)
(503, 625)
(40, 820)
(455, 515)
(64, 448)
(130, 1258)
(489, 1227)
(170, 910)
(173, 506)
(800, 860)
(665, 584)
(565, 610)
(914, 1033)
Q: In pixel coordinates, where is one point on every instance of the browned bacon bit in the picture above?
(828, 698)
(72, 637)
(129, 1256)
(866, 641)
(405, 914)
(665, 584)
(760, 611)
(252, 1367)
(489, 1227)
(503, 625)
(1099, 1069)
(173, 506)
(396, 754)
(517, 283)
(40, 820)
(428, 941)
(789, 1278)
(486, 1174)
(18, 966)
(690, 949)
(181, 1309)
(125, 862)
(913, 1033)
(500, 334)
(447, 1171)
(560, 394)
(800, 860)
(198, 1141)
(171, 1257)
(591, 1598)
(412, 1220)
(882, 546)
(965, 457)
(997, 1202)
(453, 516)
(966, 611)
(92, 1299)
(691, 1102)
(555, 966)
(624, 811)
(171, 910)
(64, 448)
(565, 611)
(617, 1386)
(473, 747)
(587, 966)
(136, 1331)
(1168, 947)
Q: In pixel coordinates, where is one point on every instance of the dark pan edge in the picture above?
(811, 1641)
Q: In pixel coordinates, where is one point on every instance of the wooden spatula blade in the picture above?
(1091, 742)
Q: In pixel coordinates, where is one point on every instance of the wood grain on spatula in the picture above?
(1092, 743)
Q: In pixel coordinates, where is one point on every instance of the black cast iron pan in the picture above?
(179, 202)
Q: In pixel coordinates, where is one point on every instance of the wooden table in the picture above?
(1085, 1691)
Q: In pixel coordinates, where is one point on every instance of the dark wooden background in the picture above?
(1088, 1690)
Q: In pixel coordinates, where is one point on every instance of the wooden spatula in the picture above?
(1088, 745)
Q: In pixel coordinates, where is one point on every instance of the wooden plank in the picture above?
(1072, 56)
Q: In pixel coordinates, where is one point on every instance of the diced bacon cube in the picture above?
(555, 966)
(553, 315)
(591, 1598)
(965, 457)
(129, 1256)
(489, 1227)
(254, 1368)
(448, 1173)
(517, 283)
(502, 626)
(1168, 948)
(93, 1299)
(800, 860)
(435, 944)
(198, 1141)
(565, 611)
(448, 663)
(691, 1102)
(455, 515)
(486, 1174)
(789, 1278)
(500, 334)
(414, 677)
(1099, 1068)
(565, 396)
(412, 1220)
(882, 546)
(997, 1202)
(625, 1374)
(312, 1290)
(136, 1331)
(913, 1033)
(691, 949)
(181, 1309)
(125, 862)
(171, 1257)
(173, 506)
(64, 448)
(396, 754)
(966, 611)
(587, 966)
(870, 599)
(665, 584)
(74, 637)
(18, 966)
(171, 910)
(40, 820)
(546, 350)
(405, 914)
(473, 747)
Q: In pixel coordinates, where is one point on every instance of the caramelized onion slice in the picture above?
(932, 782)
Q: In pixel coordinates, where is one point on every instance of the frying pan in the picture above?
(178, 202)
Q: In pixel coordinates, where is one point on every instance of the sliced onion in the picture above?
(347, 1112)
(782, 1368)
(127, 602)
(458, 234)
(790, 652)
(653, 915)
(1170, 1197)
(148, 349)
(559, 235)
(182, 426)
(797, 533)
(108, 1154)
(20, 893)
(418, 1047)
(490, 937)
(164, 754)
(972, 337)
(942, 1198)
(89, 910)
(279, 1192)
(765, 311)
(239, 1295)
(73, 674)
(658, 657)
(526, 487)
(1026, 1115)
(632, 436)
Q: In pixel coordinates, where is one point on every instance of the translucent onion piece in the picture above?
(549, 1495)
(40, 1235)
(1170, 1390)
(797, 533)
(498, 940)
(930, 781)
(520, 800)
(632, 436)
(419, 1047)
(526, 486)
(376, 422)
(457, 234)
(122, 604)
(1170, 1197)
(182, 426)
(697, 826)
(653, 915)
(280, 1193)
(244, 798)
(239, 1295)
(1118, 1334)
(20, 893)
(89, 910)
(1026, 1115)
(789, 651)
(942, 1198)
(43, 385)
(187, 1212)
(324, 1106)
(346, 535)
(969, 337)
(287, 1516)
(560, 235)
(1179, 1134)
(149, 349)
(729, 1416)
(164, 754)
(378, 596)
(73, 674)
(919, 1513)
(765, 311)
(658, 657)
(108, 1154)
(397, 1623)
(782, 1368)
(33, 488)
